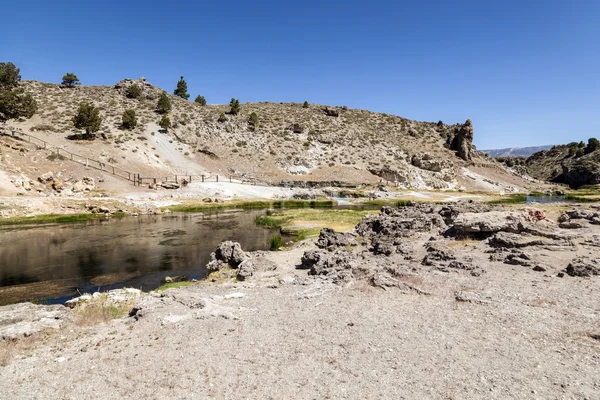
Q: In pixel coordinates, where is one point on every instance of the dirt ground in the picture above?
(509, 333)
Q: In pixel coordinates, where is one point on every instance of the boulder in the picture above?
(331, 112)
(170, 185)
(245, 270)
(228, 253)
(336, 268)
(312, 257)
(492, 222)
(328, 237)
(45, 178)
(584, 266)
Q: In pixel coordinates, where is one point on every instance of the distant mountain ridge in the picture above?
(516, 151)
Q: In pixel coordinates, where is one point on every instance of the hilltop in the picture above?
(291, 145)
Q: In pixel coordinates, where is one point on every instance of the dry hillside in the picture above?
(291, 143)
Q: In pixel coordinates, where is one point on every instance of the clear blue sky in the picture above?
(526, 72)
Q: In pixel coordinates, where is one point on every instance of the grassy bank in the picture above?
(309, 222)
(253, 205)
(55, 219)
(510, 199)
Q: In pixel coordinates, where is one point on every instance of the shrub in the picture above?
(200, 100)
(129, 119)
(164, 104)
(276, 242)
(14, 102)
(222, 118)
(253, 121)
(305, 105)
(593, 145)
(88, 118)
(234, 105)
(134, 91)
(165, 122)
(181, 90)
(70, 80)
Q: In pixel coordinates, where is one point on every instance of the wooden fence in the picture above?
(136, 178)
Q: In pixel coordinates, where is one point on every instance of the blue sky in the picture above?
(526, 72)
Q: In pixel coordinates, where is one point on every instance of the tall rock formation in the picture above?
(461, 141)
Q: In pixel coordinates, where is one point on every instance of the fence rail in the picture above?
(136, 178)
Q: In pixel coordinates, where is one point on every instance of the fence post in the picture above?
(190, 179)
(176, 179)
(229, 178)
(113, 170)
(203, 178)
(217, 177)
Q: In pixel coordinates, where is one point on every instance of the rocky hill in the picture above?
(516, 151)
(573, 164)
(291, 145)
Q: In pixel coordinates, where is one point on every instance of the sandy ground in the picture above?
(509, 333)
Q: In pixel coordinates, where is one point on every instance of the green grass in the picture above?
(391, 203)
(510, 199)
(303, 223)
(254, 204)
(537, 194)
(581, 198)
(276, 242)
(52, 219)
(172, 285)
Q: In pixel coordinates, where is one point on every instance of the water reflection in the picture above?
(136, 252)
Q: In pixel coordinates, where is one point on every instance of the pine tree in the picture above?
(164, 104)
(181, 90)
(200, 100)
(305, 105)
(14, 102)
(234, 104)
(165, 123)
(70, 80)
(129, 119)
(88, 118)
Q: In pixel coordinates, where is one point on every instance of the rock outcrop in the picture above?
(461, 141)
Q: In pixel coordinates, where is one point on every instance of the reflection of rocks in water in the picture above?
(174, 233)
(220, 224)
(133, 264)
(20, 279)
(37, 290)
(109, 279)
(168, 261)
(171, 243)
(57, 241)
(89, 264)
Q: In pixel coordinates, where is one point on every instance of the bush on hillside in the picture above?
(164, 104)
(129, 119)
(70, 80)
(88, 118)
(165, 123)
(14, 102)
(200, 100)
(134, 91)
(253, 121)
(234, 105)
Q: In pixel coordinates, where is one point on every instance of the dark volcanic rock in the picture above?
(584, 266)
(228, 253)
(328, 237)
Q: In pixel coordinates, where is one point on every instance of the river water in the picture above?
(53, 263)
